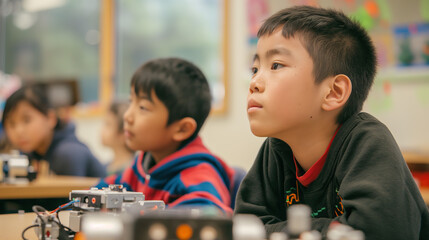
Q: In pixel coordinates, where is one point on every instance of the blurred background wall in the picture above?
(227, 133)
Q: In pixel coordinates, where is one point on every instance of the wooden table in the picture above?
(12, 225)
(46, 187)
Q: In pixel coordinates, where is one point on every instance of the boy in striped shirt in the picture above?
(170, 100)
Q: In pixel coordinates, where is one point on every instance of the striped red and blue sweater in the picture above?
(190, 177)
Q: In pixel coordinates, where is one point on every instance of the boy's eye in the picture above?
(27, 119)
(254, 70)
(276, 66)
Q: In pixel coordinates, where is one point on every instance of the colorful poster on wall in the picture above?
(257, 12)
(412, 44)
(383, 43)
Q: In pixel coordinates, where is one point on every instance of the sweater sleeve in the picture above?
(202, 186)
(378, 192)
(261, 189)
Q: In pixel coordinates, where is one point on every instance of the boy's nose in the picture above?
(256, 85)
(127, 115)
(19, 129)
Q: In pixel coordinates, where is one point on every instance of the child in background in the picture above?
(170, 100)
(112, 136)
(312, 71)
(32, 126)
(8, 85)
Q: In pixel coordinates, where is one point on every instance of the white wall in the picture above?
(405, 111)
(227, 135)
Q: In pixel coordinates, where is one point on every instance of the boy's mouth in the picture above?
(23, 143)
(253, 105)
(128, 134)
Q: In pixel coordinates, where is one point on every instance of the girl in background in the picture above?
(112, 136)
(33, 127)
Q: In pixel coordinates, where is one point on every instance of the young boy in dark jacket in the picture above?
(312, 71)
(170, 100)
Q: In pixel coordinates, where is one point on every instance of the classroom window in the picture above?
(48, 40)
(101, 43)
(189, 29)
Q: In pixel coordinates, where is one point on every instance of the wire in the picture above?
(23, 231)
(62, 209)
(39, 210)
(42, 224)
(64, 206)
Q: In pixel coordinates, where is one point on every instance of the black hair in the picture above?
(180, 85)
(35, 96)
(337, 45)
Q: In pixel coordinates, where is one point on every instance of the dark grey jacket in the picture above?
(364, 183)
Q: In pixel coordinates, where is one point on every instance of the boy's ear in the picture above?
(339, 90)
(184, 128)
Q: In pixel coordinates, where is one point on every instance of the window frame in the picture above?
(107, 54)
